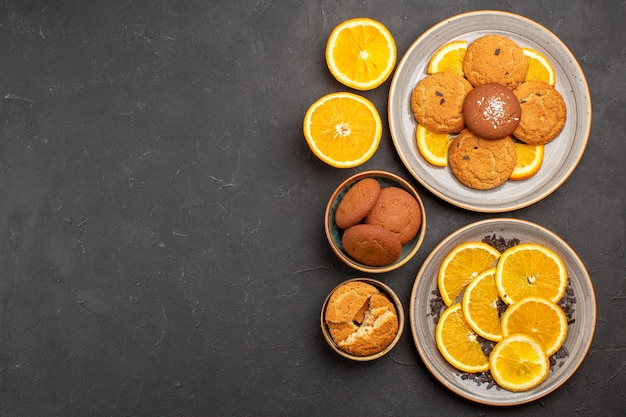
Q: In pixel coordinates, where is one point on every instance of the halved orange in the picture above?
(529, 160)
(480, 305)
(538, 318)
(539, 67)
(530, 269)
(458, 343)
(519, 363)
(361, 53)
(343, 129)
(463, 264)
(433, 146)
(448, 58)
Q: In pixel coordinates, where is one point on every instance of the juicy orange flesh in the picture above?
(433, 146)
(528, 162)
(343, 129)
(451, 61)
(519, 363)
(539, 321)
(465, 267)
(532, 273)
(537, 70)
(461, 342)
(526, 154)
(361, 53)
(483, 308)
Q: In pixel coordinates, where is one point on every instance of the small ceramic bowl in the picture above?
(334, 233)
(385, 289)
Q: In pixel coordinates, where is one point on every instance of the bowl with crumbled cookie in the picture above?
(362, 319)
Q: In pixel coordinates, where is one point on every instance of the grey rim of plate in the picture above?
(580, 332)
(561, 155)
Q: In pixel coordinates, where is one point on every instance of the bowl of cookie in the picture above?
(375, 221)
(362, 319)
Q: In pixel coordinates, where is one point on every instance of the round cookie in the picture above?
(481, 164)
(495, 59)
(397, 211)
(491, 111)
(437, 102)
(361, 320)
(543, 113)
(377, 331)
(371, 245)
(357, 202)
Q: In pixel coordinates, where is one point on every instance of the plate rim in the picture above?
(512, 205)
(493, 222)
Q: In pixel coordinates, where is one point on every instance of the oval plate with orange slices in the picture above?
(580, 330)
(561, 156)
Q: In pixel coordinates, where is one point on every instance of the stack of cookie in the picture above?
(377, 221)
(488, 108)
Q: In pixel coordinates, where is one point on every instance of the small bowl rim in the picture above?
(347, 259)
(399, 311)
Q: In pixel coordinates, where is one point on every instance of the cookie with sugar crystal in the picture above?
(495, 59)
(437, 102)
(481, 164)
(491, 111)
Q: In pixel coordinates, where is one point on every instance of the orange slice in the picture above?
(458, 343)
(461, 265)
(361, 53)
(538, 318)
(530, 269)
(343, 129)
(518, 363)
(480, 306)
(448, 58)
(433, 146)
(529, 160)
(539, 67)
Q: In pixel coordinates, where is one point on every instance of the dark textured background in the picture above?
(162, 249)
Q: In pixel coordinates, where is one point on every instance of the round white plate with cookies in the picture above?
(579, 305)
(561, 155)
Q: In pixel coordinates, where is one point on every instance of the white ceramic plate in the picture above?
(579, 335)
(561, 155)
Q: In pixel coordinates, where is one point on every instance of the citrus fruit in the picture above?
(433, 146)
(518, 363)
(480, 305)
(343, 129)
(458, 343)
(530, 269)
(448, 58)
(361, 53)
(461, 265)
(538, 318)
(539, 67)
(529, 160)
